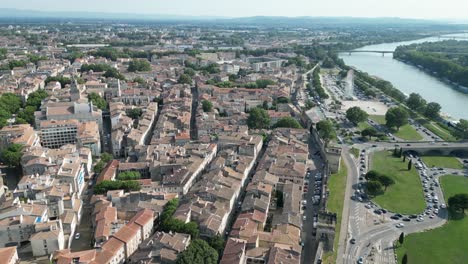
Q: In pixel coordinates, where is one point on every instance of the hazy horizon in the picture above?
(419, 9)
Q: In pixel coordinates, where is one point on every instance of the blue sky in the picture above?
(240, 8)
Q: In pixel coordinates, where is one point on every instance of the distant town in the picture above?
(178, 142)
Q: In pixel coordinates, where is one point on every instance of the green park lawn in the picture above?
(363, 125)
(337, 186)
(440, 131)
(443, 162)
(406, 132)
(355, 152)
(406, 195)
(447, 244)
(435, 128)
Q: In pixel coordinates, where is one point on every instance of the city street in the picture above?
(308, 237)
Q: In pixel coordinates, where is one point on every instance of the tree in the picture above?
(99, 166)
(258, 118)
(106, 157)
(288, 122)
(369, 132)
(432, 110)
(134, 113)
(140, 65)
(12, 155)
(374, 188)
(326, 130)
(10, 102)
(97, 100)
(405, 259)
(263, 83)
(410, 164)
(184, 79)
(356, 115)
(401, 239)
(283, 100)
(396, 117)
(459, 202)
(62, 80)
(106, 185)
(189, 71)
(129, 175)
(372, 175)
(139, 80)
(462, 129)
(415, 102)
(198, 252)
(217, 242)
(113, 73)
(386, 181)
(207, 106)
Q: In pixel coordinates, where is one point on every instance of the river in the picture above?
(410, 79)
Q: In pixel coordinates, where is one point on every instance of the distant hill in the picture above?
(17, 14)
(20, 13)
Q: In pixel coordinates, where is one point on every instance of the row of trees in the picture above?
(127, 186)
(129, 176)
(435, 61)
(258, 84)
(317, 84)
(385, 86)
(416, 103)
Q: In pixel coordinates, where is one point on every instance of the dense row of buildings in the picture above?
(228, 178)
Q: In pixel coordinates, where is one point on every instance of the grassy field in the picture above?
(337, 185)
(406, 132)
(379, 119)
(363, 125)
(441, 161)
(440, 131)
(406, 195)
(447, 244)
(436, 129)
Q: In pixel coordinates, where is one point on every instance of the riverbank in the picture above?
(407, 78)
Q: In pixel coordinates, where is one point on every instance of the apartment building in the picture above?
(48, 238)
(56, 133)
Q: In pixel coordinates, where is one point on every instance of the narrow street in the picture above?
(308, 230)
(193, 118)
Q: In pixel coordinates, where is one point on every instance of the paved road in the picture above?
(310, 243)
(374, 233)
(85, 227)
